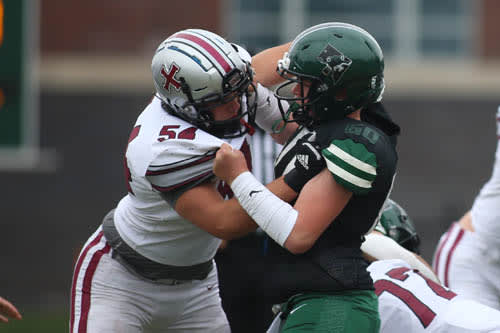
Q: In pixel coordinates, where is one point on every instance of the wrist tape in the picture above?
(272, 214)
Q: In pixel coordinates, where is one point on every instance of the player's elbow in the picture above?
(298, 245)
(221, 229)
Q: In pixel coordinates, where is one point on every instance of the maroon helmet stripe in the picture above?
(213, 52)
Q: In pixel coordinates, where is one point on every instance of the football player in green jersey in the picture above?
(340, 160)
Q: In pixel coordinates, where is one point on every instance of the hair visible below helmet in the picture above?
(343, 67)
(396, 224)
(195, 71)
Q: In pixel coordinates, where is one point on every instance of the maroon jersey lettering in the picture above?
(424, 314)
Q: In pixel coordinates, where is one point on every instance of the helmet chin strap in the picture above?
(226, 128)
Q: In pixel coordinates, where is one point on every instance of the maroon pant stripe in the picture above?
(437, 259)
(86, 282)
(450, 254)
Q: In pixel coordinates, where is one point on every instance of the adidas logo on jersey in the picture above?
(304, 160)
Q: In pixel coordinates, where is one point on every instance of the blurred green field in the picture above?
(37, 323)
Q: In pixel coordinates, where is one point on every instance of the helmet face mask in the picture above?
(396, 224)
(303, 103)
(235, 86)
(196, 71)
(344, 66)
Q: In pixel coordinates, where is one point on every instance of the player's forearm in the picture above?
(280, 189)
(380, 247)
(426, 269)
(265, 64)
(234, 222)
(269, 115)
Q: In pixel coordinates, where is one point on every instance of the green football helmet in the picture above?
(343, 67)
(396, 224)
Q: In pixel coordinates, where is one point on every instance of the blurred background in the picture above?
(74, 75)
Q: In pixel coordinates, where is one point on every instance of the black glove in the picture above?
(309, 162)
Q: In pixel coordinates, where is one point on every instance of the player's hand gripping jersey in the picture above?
(165, 157)
(410, 303)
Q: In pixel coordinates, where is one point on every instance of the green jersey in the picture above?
(362, 158)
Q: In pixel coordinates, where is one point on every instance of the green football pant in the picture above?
(351, 311)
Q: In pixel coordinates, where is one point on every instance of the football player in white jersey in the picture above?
(149, 267)
(410, 297)
(467, 257)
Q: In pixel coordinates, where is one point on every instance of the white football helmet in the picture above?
(196, 70)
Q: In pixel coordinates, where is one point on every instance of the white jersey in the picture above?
(166, 156)
(409, 303)
(485, 211)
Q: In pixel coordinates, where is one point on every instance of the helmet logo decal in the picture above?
(169, 77)
(336, 63)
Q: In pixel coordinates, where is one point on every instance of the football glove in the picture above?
(308, 163)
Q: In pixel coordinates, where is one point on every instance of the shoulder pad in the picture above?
(348, 128)
(352, 164)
